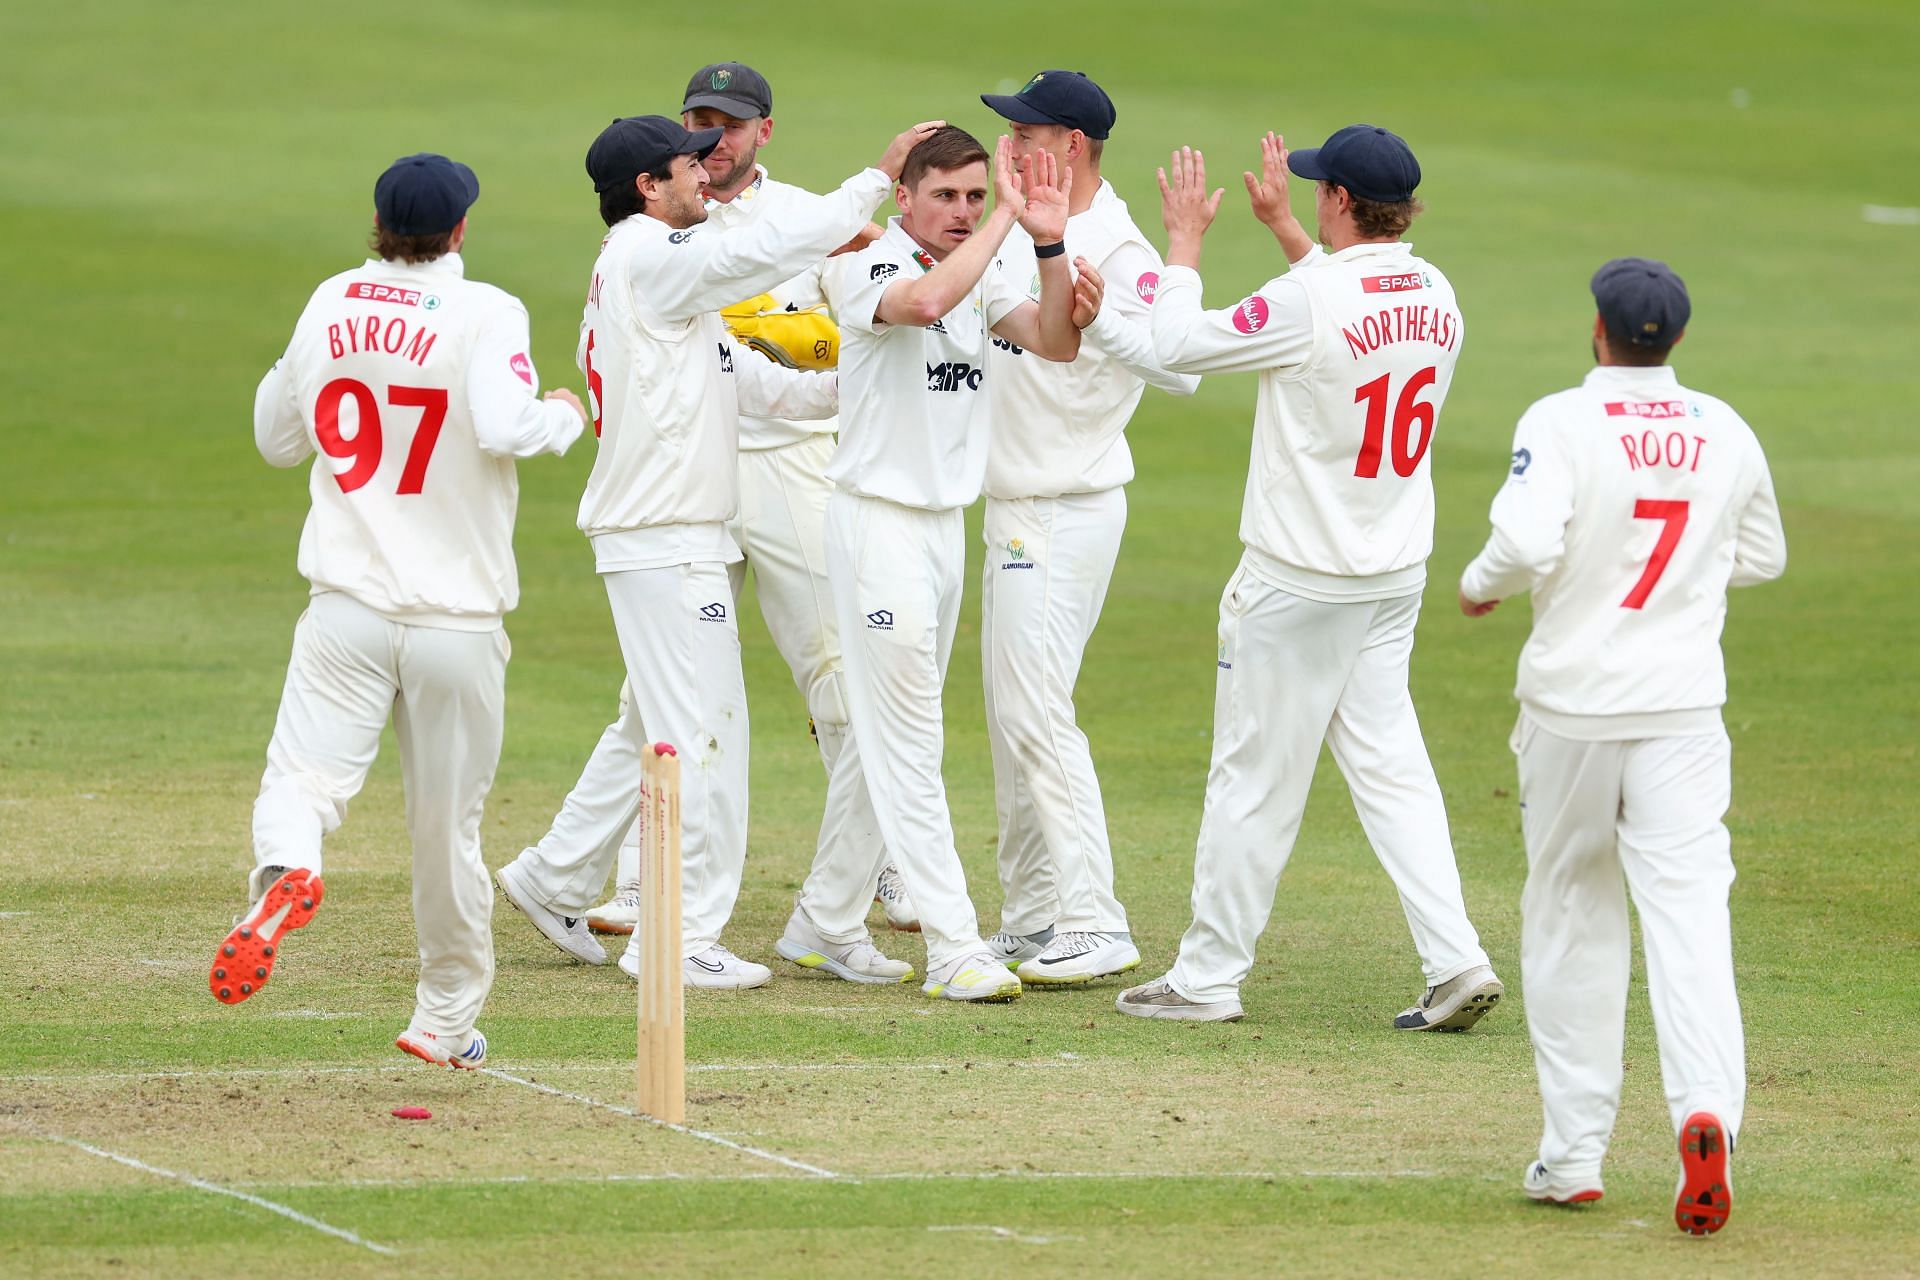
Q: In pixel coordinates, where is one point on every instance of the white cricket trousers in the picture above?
(782, 528)
(1049, 562)
(1293, 673)
(897, 575)
(681, 644)
(447, 693)
(1651, 809)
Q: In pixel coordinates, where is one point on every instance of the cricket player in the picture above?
(1355, 347)
(917, 310)
(667, 388)
(1057, 469)
(413, 390)
(1632, 504)
(781, 524)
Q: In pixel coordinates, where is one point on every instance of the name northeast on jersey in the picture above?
(954, 375)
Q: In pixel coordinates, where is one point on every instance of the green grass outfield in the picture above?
(175, 178)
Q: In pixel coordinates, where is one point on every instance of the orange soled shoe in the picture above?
(245, 959)
(1705, 1198)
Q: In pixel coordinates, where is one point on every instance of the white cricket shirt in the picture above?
(1632, 504)
(766, 197)
(913, 401)
(1058, 427)
(668, 386)
(416, 388)
(1355, 352)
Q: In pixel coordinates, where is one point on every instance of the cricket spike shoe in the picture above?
(246, 957)
(977, 976)
(1077, 956)
(856, 961)
(569, 933)
(1542, 1183)
(891, 894)
(1705, 1198)
(1158, 999)
(1015, 949)
(619, 914)
(468, 1054)
(1456, 1004)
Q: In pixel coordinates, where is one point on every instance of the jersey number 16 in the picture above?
(1406, 412)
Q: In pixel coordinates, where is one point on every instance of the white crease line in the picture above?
(701, 1134)
(931, 1175)
(1005, 1233)
(404, 1069)
(201, 1184)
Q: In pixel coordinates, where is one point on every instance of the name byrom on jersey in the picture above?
(371, 292)
(376, 334)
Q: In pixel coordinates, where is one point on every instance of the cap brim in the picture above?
(1009, 107)
(1305, 163)
(738, 108)
(700, 143)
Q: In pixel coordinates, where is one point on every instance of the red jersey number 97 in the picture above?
(362, 450)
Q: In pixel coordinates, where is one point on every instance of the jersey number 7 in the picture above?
(366, 445)
(1673, 514)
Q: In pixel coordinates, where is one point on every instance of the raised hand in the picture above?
(1268, 192)
(1185, 207)
(861, 239)
(1088, 289)
(895, 158)
(1047, 185)
(1007, 191)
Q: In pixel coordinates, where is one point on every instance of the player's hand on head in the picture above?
(1185, 206)
(1088, 289)
(567, 397)
(895, 158)
(1046, 187)
(1268, 192)
(861, 239)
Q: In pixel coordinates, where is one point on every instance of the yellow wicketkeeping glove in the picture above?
(803, 339)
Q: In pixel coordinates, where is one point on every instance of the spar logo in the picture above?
(522, 367)
(1400, 283)
(367, 291)
(1251, 315)
(1660, 409)
(1147, 285)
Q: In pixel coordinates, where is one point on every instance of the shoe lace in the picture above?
(892, 887)
(1074, 944)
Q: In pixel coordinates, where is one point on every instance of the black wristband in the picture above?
(1053, 250)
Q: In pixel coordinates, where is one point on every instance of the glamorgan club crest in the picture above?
(722, 78)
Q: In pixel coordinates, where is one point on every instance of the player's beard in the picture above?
(742, 165)
(681, 211)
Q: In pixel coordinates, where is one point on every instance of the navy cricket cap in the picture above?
(424, 195)
(732, 87)
(1642, 302)
(1065, 98)
(633, 145)
(1365, 159)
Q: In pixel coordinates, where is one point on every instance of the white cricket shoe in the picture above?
(1015, 949)
(618, 914)
(1454, 1005)
(468, 1053)
(856, 961)
(1076, 956)
(715, 969)
(569, 933)
(1542, 1183)
(977, 976)
(891, 894)
(1158, 999)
